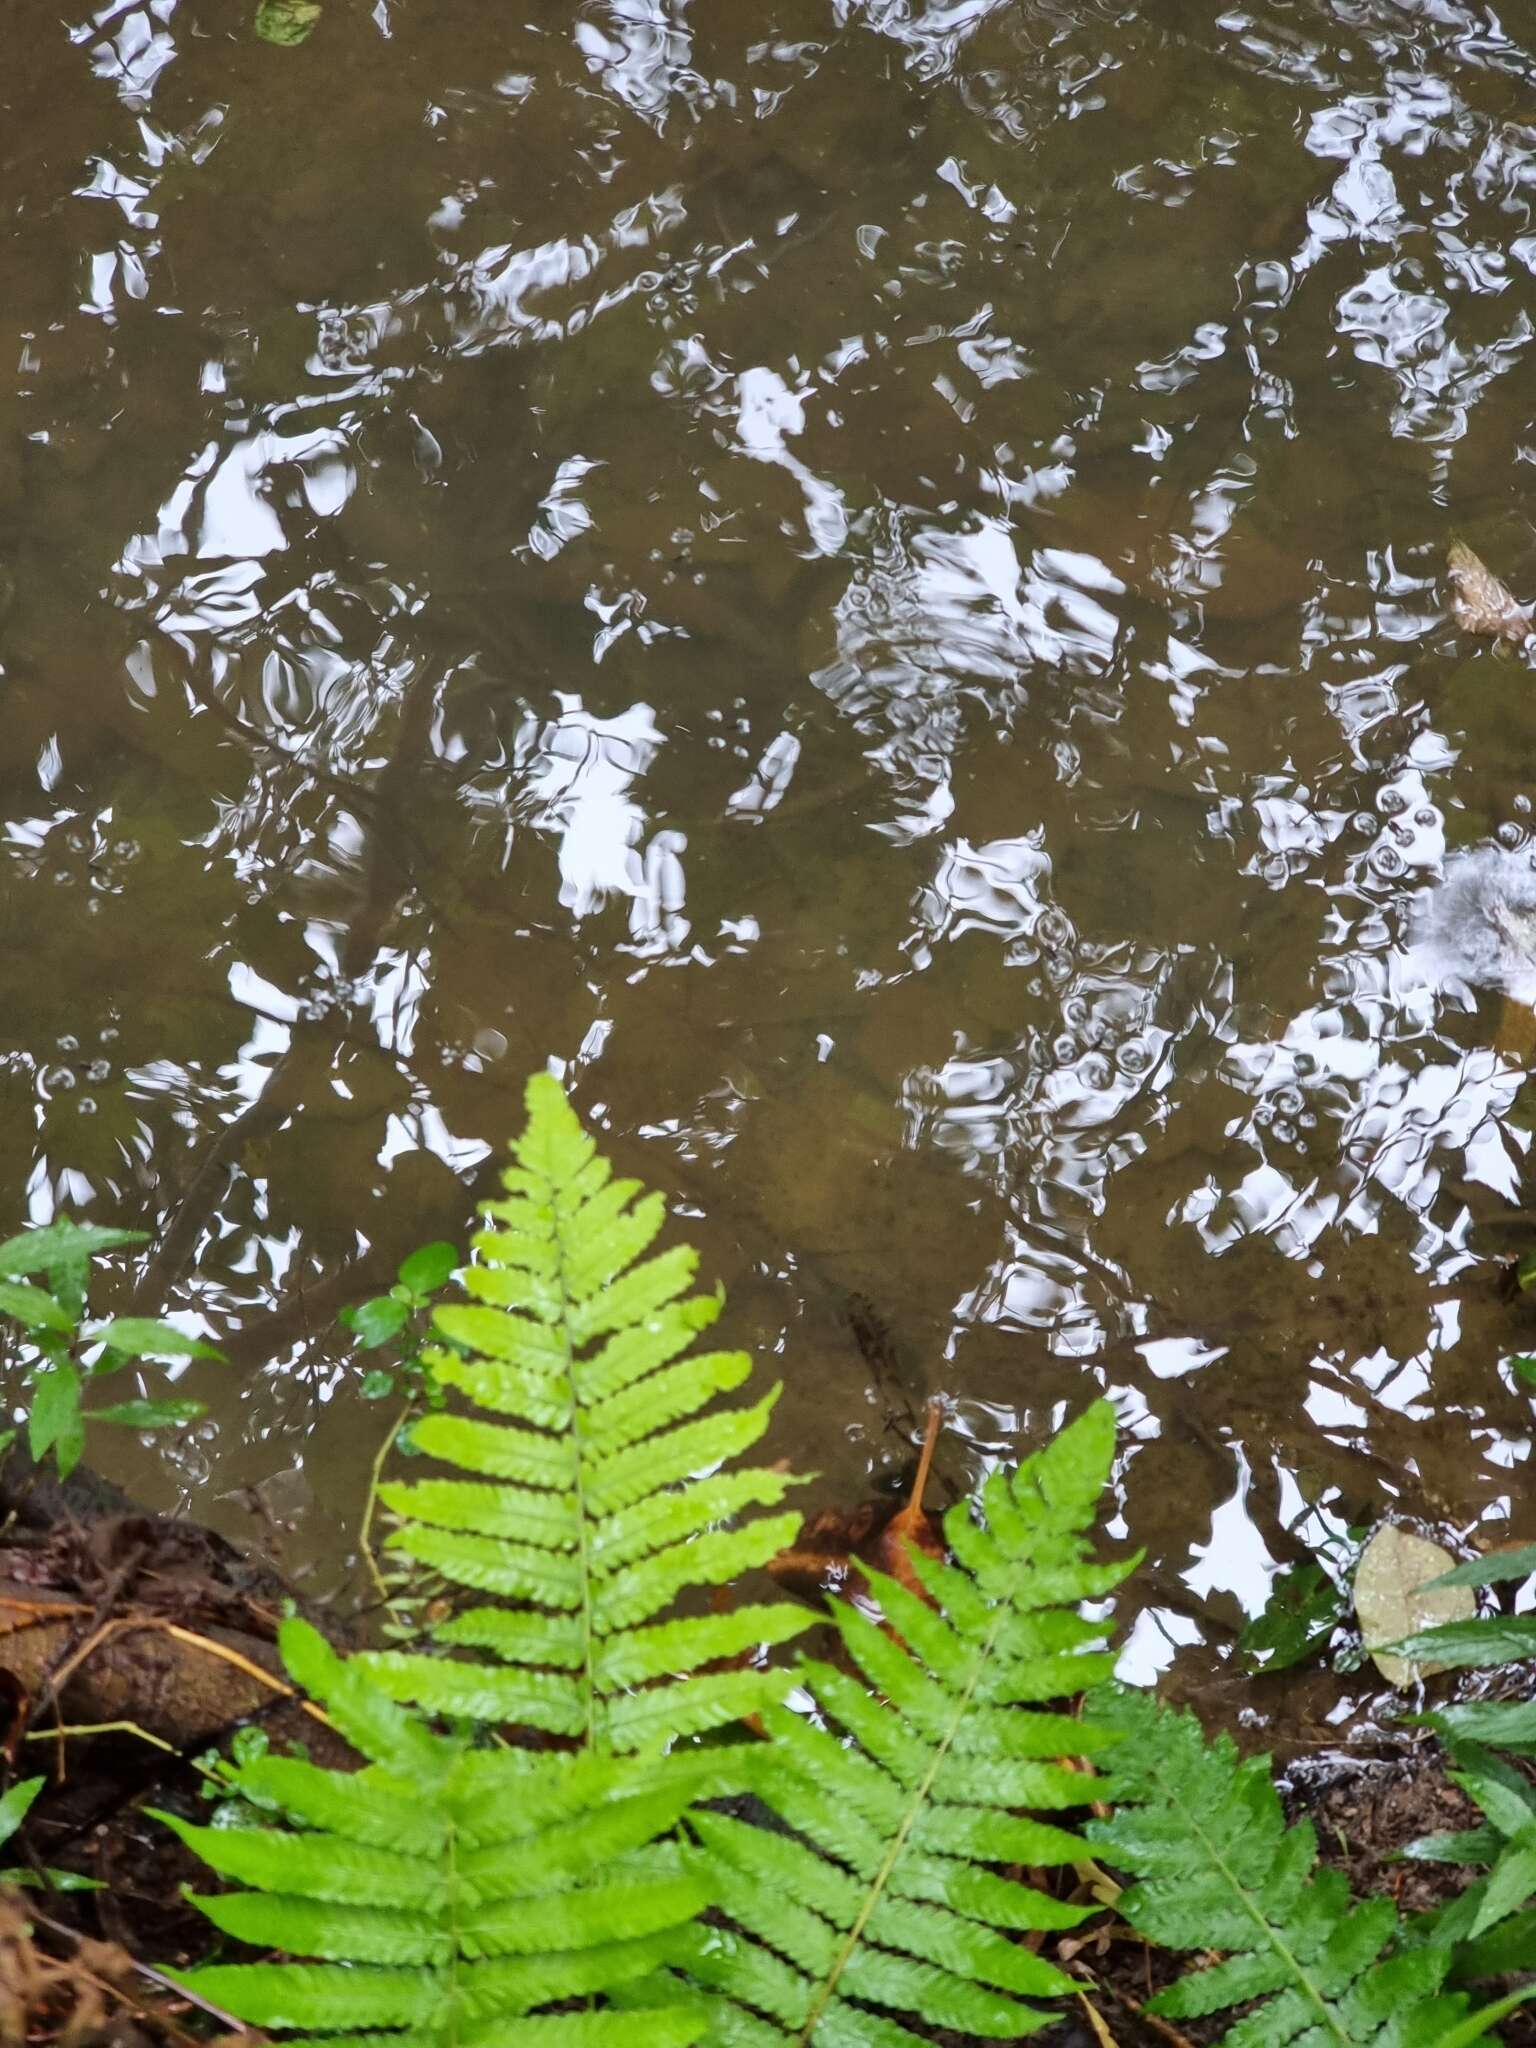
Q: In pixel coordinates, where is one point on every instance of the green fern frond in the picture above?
(443, 1895)
(1204, 1832)
(878, 1903)
(599, 1500)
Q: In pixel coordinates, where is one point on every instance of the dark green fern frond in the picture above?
(880, 1901)
(586, 1506)
(446, 1895)
(1219, 1869)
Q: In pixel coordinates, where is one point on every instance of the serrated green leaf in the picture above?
(54, 1421)
(375, 1322)
(143, 1337)
(1494, 1568)
(34, 1308)
(429, 1267)
(53, 1244)
(150, 1414)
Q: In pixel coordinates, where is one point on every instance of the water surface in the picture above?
(868, 578)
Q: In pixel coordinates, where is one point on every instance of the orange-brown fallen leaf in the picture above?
(1481, 603)
(833, 1544)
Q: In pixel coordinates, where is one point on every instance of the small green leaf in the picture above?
(1477, 1644)
(286, 21)
(378, 1384)
(55, 1880)
(142, 1337)
(57, 1244)
(429, 1267)
(13, 1807)
(1526, 1369)
(375, 1322)
(149, 1414)
(1493, 1569)
(1464, 1845)
(54, 1422)
(1476, 2024)
(1525, 1272)
(34, 1308)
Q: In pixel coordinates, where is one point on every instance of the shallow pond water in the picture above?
(870, 579)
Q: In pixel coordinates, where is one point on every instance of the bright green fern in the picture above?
(1220, 1869)
(449, 1895)
(599, 1500)
(879, 1902)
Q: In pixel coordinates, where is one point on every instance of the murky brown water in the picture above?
(869, 577)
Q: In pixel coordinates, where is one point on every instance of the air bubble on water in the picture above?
(1284, 1131)
(99, 1070)
(1390, 802)
(68, 1043)
(1065, 1048)
(1094, 1071)
(1510, 835)
(1523, 805)
(1134, 1057)
(1427, 816)
(86, 1106)
(1403, 834)
(1363, 823)
(1387, 861)
(1052, 929)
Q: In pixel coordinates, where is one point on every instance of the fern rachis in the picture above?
(878, 1903)
(599, 1499)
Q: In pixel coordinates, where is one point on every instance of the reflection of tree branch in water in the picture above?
(387, 871)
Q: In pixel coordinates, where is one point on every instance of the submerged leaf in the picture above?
(1395, 1597)
(1303, 1609)
(286, 21)
(1481, 603)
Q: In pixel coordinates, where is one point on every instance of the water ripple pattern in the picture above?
(869, 578)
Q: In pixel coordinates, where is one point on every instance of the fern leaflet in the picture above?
(879, 1901)
(446, 1894)
(585, 1506)
(1219, 1869)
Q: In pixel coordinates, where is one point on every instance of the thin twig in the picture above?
(930, 1438)
(375, 1474)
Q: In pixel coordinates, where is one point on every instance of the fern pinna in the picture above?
(1219, 1869)
(584, 1506)
(450, 1893)
(878, 1903)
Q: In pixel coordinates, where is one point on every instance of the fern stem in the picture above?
(898, 1841)
(583, 1515)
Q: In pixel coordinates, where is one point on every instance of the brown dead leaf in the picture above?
(834, 1544)
(1481, 603)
